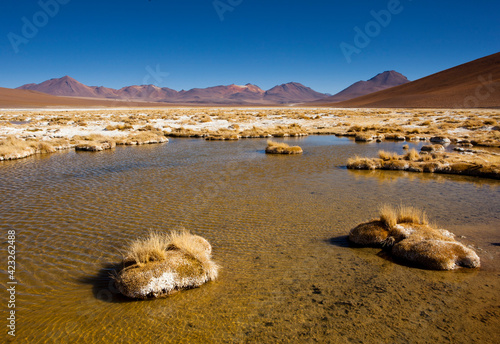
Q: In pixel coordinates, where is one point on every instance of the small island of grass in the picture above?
(161, 264)
(405, 233)
(282, 148)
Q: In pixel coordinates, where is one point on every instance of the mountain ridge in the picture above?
(292, 92)
(474, 84)
(379, 82)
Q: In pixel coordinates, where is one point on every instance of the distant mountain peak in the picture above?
(292, 92)
(450, 88)
(389, 77)
(379, 82)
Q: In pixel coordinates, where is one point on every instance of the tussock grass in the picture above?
(44, 147)
(386, 156)
(360, 163)
(470, 162)
(154, 247)
(405, 233)
(221, 135)
(402, 214)
(255, 132)
(93, 143)
(412, 155)
(185, 132)
(194, 245)
(281, 148)
(160, 264)
(365, 137)
(15, 148)
(148, 249)
(388, 215)
(141, 138)
(408, 214)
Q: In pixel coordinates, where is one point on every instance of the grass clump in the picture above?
(408, 214)
(412, 155)
(404, 232)
(387, 156)
(388, 215)
(160, 264)
(154, 247)
(466, 162)
(402, 214)
(148, 249)
(14, 148)
(282, 148)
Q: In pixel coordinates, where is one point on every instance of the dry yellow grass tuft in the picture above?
(193, 245)
(412, 155)
(402, 214)
(408, 214)
(163, 263)
(388, 215)
(282, 148)
(405, 233)
(93, 143)
(155, 245)
(466, 162)
(14, 148)
(148, 249)
(386, 156)
(141, 138)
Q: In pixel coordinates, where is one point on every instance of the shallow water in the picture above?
(278, 227)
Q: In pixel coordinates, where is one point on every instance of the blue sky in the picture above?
(186, 44)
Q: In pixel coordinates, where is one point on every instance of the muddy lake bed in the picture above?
(278, 226)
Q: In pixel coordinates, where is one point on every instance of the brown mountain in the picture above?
(223, 94)
(65, 86)
(379, 82)
(147, 93)
(14, 98)
(231, 94)
(470, 85)
(292, 92)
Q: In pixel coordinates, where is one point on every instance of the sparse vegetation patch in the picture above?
(404, 232)
(163, 263)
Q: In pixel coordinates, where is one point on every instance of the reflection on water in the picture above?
(278, 227)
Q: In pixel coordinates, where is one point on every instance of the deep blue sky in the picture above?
(112, 43)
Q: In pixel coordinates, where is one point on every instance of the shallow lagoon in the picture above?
(278, 227)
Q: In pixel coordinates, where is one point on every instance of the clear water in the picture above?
(278, 227)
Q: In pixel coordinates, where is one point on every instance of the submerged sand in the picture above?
(278, 226)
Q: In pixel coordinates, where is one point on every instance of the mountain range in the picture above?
(288, 93)
(232, 94)
(474, 84)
